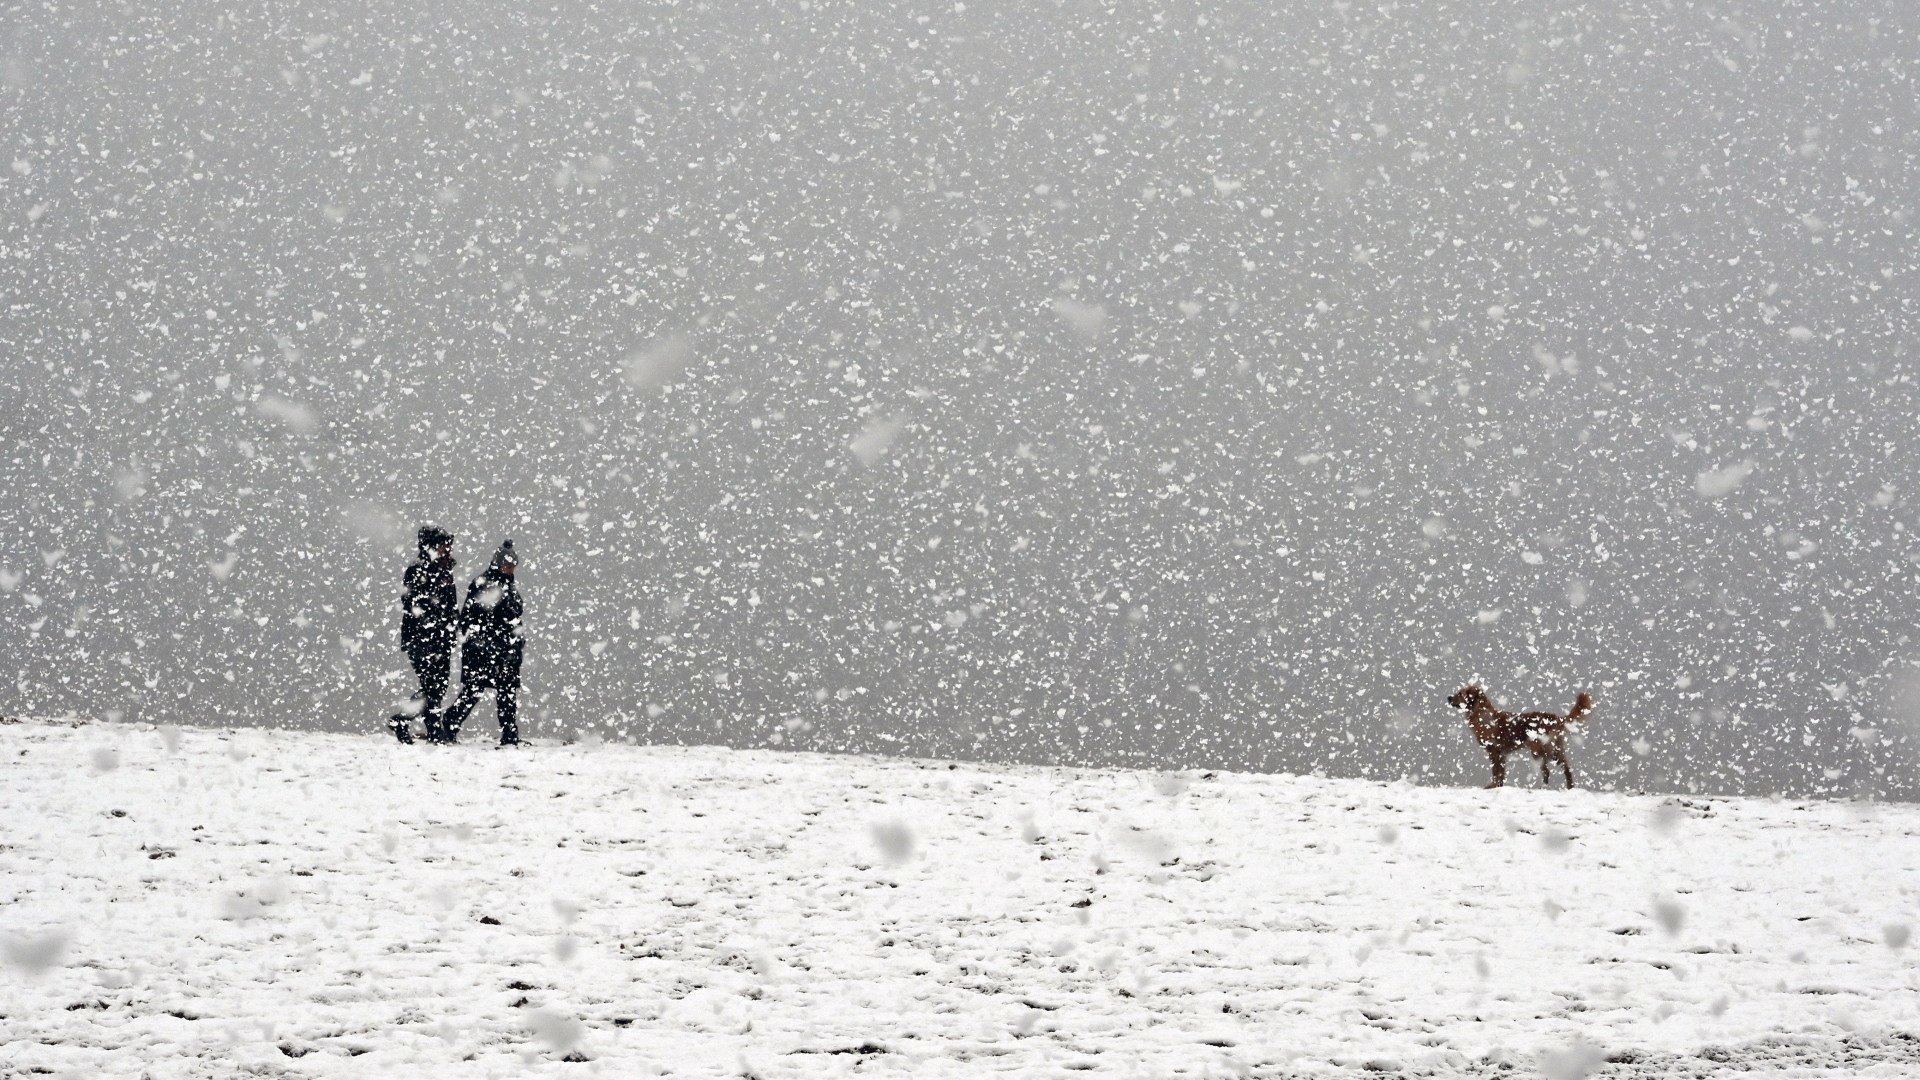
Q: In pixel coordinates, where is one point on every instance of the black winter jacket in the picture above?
(490, 655)
(428, 608)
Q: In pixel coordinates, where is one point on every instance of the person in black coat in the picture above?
(428, 607)
(492, 648)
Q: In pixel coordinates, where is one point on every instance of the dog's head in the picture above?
(1465, 697)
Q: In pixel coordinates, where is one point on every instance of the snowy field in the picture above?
(196, 903)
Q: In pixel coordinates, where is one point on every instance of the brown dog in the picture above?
(1544, 734)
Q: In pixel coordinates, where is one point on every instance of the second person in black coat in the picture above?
(491, 652)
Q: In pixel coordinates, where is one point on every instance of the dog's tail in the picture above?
(1582, 705)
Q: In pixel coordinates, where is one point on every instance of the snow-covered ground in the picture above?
(183, 903)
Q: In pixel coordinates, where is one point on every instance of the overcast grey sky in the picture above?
(1169, 385)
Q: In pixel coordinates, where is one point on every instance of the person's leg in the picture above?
(457, 715)
(421, 702)
(507, 700)
(401, 723)
(433, 684)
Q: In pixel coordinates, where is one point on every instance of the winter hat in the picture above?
(504, 557)
(433, 536)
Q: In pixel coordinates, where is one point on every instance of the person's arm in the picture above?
(409, 610)
(473, 613)
(446, 605)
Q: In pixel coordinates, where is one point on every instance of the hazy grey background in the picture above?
(1211, 384)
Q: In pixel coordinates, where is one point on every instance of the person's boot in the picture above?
(402, 727)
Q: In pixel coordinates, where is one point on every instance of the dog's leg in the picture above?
(1499, 768)
(1546, 771)
(1566, 766)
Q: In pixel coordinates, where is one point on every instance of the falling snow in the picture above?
(1248, 378)
(974, 391)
